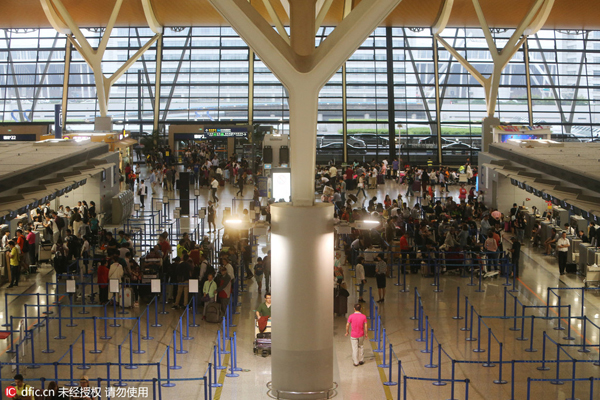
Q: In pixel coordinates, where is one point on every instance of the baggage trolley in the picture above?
(262, 341)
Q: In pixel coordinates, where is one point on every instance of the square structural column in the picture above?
(302, 300)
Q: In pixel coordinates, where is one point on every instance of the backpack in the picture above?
(26, 246)
(60, 261)
(60, 223)
(209, 270)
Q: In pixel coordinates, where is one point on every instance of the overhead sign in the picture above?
(214, 133)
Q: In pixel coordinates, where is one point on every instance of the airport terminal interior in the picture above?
(414, 186)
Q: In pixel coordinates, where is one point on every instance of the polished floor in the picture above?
(364, 382)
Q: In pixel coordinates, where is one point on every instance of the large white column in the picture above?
(302, 293)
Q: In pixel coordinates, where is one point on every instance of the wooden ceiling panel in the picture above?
(566, 14)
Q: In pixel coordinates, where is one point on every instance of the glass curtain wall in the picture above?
(205, 77)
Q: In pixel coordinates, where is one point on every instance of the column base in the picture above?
(282, 394)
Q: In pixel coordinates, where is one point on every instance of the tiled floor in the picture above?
(363, 382)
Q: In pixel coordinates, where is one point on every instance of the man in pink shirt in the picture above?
(358, 321)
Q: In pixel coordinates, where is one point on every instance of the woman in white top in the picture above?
(360, 277)
(77, 223)
(116, 270)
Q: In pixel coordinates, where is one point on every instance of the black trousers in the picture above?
(515, 262)
(15, 271)
(562, 261)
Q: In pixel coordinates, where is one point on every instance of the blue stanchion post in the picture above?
(414, 317)
(48, 349)
(33, 365)
(431, 364)
(130, 365)
(156, 324)
(215, 383)
(439, 382)
(164, 298)
(168, 383)
(235, 366)
(139, 337)
(60, 335)
(175, 366)
(466, 327)
(72, 323)
(390, 366)
(584, 333)
(522, 337)
(531, 349)
(194, 324)
(427, 349)
(471, 338)
(105, 337)
(83, 364)
(181, 350)
(187, 324)
(478, 349)
(95, 351)
(559, 327)
(489, 362)
(6, 310)
(543, 367)
(148, 337)
(231, 373)
(557, 381)
(120, 383)
(569, 337)
(457, 304)
(500, 381)
(514, 327)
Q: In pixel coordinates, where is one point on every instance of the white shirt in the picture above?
(562, 242)
(360, 272)
(214, 184)
(85, 247)
(230, 271)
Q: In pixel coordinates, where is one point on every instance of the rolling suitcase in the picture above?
(213, 313)
(125, 297)
(340, 305)
(571, 268)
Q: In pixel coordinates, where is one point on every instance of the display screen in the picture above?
(282, 186)
(505, 137)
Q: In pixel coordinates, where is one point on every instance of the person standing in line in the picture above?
(360, 277)
(31, 248)
(14, 264)
(214, 185)
(358, 322)
(562, 246)
(516, 254)
(142, 192)
(267, 271)
(211, 217)
(380, 275)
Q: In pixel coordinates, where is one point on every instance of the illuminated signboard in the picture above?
(214, 133)
(225, 132)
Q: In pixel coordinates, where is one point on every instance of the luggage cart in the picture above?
(262, 341)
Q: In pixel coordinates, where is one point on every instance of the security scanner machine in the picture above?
(579, 223)
(573, 255)
(583, 257)
(561, 215)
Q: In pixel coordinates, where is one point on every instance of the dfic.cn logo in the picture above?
(10, 391)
